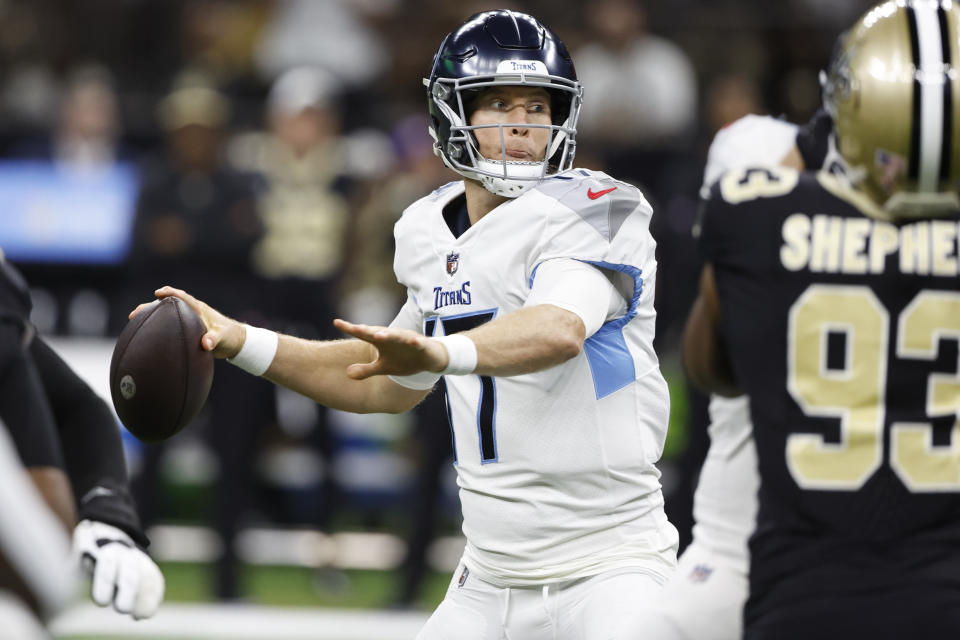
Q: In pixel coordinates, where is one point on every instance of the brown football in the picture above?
(159, 374)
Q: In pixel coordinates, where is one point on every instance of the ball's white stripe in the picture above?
(931, 86)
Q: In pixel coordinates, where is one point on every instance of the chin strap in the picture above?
(520, 176)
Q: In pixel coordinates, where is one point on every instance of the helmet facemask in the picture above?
(457, 145)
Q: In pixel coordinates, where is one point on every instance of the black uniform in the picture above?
(56, 420)
(843, 331)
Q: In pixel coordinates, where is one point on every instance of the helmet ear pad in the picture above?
(443, 123)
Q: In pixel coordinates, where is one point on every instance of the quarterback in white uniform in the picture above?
(530, 290)
(704, 599)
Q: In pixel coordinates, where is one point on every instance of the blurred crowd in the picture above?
(272, 145)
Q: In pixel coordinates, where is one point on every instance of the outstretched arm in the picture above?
(527, 340)
(352, 375)
(568, 302)
(321, 369)
(105, 541)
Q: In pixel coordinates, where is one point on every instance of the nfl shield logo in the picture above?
(700, 573)
(453, 263)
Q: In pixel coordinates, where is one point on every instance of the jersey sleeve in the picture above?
(602, 222)
(91, 444)
(23, 403)
(579, 288)
(411, 318)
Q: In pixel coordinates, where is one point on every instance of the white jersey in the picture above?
(725, 503)
(555, 468)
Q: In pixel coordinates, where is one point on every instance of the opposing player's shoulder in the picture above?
(744, 198)
(594, 196)
(753, 140)
(747, 184)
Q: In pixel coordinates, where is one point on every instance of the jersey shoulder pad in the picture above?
(599, 200)
(744, 198)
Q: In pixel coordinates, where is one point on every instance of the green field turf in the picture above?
(295, 587)
(298, 586)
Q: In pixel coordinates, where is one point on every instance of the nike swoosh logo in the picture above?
(593, 195)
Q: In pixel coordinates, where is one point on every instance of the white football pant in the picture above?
(610, 606)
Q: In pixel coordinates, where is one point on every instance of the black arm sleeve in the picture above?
(23, 402)
(92, 448)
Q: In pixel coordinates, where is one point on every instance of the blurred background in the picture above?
(257, 153)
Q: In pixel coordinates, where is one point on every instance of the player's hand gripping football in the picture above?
(400, 352)
(122, 574)
(224, 336)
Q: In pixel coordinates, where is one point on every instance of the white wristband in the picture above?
(462, 353)
(257, 352)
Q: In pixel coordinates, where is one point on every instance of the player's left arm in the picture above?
(108, 540)
(704, 355)
(569, 301)
(527, 340)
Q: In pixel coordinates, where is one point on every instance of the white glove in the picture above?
(122, 574)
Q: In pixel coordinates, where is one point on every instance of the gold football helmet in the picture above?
(893, 89)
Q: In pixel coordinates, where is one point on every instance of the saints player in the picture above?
(531, 291)
(704, 599)
(834, 304)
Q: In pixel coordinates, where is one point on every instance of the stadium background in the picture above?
(257, 153)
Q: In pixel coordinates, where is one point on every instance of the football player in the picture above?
(530, 290)
(832, 301)
(62, 429)
(704, 599)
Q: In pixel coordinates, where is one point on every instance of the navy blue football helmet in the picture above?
(501, 48)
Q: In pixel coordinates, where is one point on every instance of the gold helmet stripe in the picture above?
(927, 43)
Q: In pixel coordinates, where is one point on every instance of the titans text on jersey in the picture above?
(442, 298)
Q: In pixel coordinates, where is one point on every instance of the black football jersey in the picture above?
(15, 304)
(843, 330)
